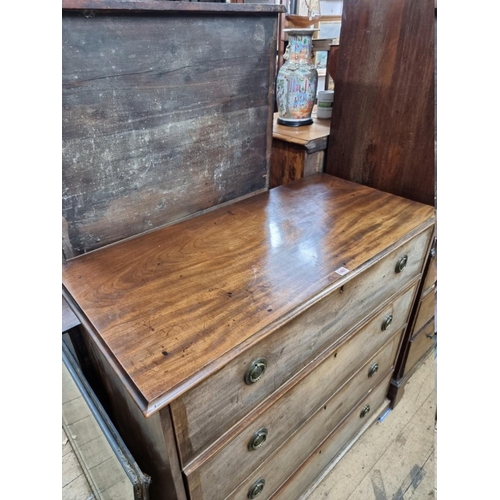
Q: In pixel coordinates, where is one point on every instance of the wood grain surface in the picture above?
(383, 118)
(171, 307)
(287, 163)
(163, 116)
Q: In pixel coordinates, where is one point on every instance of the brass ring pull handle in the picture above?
(401, 263)
(255, 371)
(373, 369)
(387, 321)
(256, 488)
(258, 439)
(364, 411)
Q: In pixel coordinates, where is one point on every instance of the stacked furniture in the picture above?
(243, 337)
(383, 124)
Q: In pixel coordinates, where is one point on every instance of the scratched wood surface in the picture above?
(163, 115)
(383, 119)
(171, 307)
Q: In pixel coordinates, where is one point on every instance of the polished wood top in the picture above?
(170, 307)
(304, 135)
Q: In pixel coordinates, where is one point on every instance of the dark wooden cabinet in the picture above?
(383, 120)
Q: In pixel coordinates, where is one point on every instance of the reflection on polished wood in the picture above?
(171, 307)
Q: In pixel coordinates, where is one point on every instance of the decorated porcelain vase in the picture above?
(297, 80)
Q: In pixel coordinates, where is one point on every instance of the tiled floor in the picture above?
(394, 459)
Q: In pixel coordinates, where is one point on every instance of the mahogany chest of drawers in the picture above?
(241, 339)
(243, 349)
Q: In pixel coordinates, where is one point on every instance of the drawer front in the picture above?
(419, 345)
(310, 441)
(334, 376)
(431, 275)
(425, 311)
(205, 413)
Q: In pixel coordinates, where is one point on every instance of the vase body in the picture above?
(297, 80)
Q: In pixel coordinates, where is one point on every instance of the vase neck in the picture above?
(300, 47)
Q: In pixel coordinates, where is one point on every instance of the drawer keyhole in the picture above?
(258, 439)
(256, 488)
(255, 371)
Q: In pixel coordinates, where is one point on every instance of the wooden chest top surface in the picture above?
(172, 306)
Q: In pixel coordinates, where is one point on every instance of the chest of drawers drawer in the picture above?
(287, 465)
(420, 345)
(352, 361)
(205, 413)
(425, 311)
(430, 277)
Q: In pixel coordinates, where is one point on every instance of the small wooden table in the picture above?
(298, 151)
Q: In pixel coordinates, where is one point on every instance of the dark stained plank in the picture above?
(164, 116)
(383, 119)
(174, 305)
